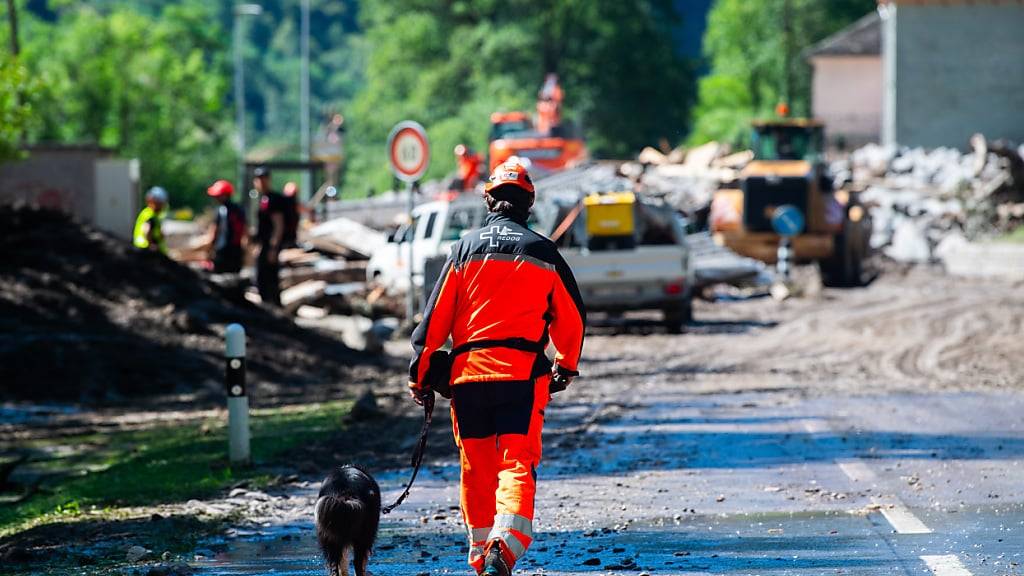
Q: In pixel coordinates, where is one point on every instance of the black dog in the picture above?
(347, 514)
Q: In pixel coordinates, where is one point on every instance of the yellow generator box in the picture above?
(610, 214)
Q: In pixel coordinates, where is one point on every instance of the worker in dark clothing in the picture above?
(227, 238)
(270, 233)
(292, 207)
(505, 293)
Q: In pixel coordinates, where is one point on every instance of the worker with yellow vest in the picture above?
(148, 226)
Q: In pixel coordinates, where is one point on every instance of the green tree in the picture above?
(152, 88)
(724, 110)
(755, 50)
(18, 112)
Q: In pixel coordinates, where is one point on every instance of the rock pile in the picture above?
(923, 198)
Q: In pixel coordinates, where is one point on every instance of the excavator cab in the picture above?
(548, 142)
(510, 125)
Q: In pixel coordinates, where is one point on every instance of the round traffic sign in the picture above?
(788, 220)
(408, 151)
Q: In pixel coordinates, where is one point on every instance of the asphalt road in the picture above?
(874, 431)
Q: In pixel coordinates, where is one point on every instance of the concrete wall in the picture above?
(847, 96)
(117, 200)
(58, 179)
(956, 69)
(83, 182)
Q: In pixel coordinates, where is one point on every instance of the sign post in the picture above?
(409, 154)
(787, 221)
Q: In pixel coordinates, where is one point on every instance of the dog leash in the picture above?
(417, 454)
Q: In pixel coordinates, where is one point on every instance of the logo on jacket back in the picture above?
(500, 233)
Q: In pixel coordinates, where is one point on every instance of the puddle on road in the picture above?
(797, 544)
(24, 414)
(293, 551)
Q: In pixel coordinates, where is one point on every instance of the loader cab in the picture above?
(788, 140)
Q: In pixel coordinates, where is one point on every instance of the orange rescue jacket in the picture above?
(503, 295)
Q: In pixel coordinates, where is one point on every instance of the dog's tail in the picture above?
(337, 520)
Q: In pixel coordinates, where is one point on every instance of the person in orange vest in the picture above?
(468, 173)
(549, 105)
(504, 294)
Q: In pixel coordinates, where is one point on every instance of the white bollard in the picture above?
(238, 400)
(784, 262)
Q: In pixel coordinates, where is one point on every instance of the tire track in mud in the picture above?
(908, 331)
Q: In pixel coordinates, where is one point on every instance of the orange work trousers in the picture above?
(497, 428)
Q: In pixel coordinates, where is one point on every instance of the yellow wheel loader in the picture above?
(789, 169)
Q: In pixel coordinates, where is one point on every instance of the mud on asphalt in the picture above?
(717, 451)
(675, 437)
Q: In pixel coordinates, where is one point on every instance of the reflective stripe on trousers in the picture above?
(477, 544)
(499, 450)
(515, 531)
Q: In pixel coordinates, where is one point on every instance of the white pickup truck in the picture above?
(435, 226)
(650, 272)
(648, 269)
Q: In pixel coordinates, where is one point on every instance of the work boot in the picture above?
(494, 562)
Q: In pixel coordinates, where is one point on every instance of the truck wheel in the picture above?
(677, 316)
(845, 267)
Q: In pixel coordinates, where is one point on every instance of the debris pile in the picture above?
(86, 317)
(687, 179)
(324, 284)
(922, 199)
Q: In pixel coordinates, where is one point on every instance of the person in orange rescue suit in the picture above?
(503, 295)
(468, 173)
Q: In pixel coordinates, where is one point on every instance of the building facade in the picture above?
(846, 93)
(952, 68)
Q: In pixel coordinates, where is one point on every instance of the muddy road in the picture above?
(869, 431)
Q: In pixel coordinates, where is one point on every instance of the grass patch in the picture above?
(1017, 236)
(98, 476)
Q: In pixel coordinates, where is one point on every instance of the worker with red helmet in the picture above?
(504, 295)
(228, 234)
(468, 173)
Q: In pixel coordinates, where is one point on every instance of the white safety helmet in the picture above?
(157, 194)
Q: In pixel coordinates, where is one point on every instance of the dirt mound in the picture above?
(85, 317)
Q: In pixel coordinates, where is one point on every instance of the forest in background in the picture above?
(153, 78)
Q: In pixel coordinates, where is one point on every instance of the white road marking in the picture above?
(947, 565)
(857, 471)
(892, 508)
(815, 426)
(902, 519)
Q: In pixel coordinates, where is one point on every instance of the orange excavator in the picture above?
(550, 144)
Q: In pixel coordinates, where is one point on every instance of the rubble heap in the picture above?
(922, 199)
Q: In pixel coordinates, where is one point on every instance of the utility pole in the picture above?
(241, 10)
(787, 43)
(12, 19)
(307, 180)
